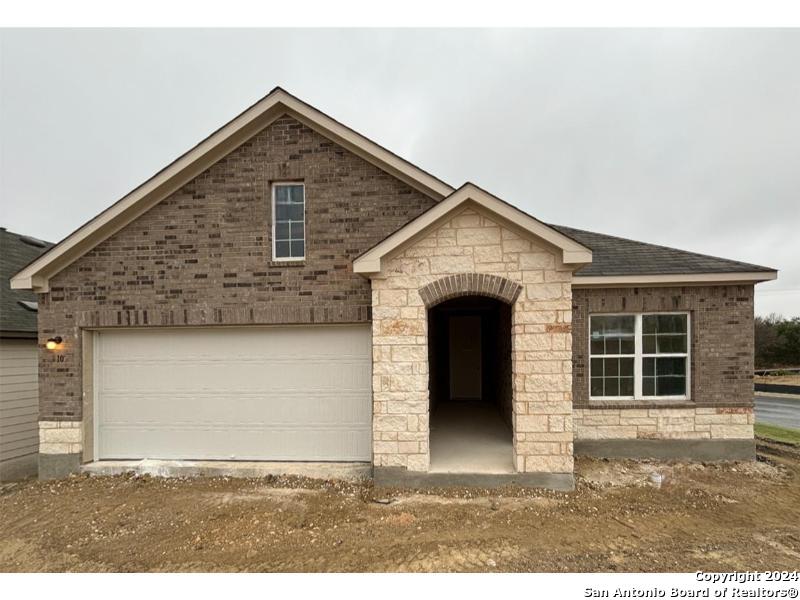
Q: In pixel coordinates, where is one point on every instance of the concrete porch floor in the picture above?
(469, 437)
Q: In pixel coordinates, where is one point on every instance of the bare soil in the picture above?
(715, 517)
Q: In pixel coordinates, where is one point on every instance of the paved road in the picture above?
(773, 410)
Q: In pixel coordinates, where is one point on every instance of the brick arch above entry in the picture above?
(469, 284)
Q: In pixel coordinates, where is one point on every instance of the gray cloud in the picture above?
(687, 138)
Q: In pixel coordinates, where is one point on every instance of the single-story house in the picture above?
(19, 360)
(289, 290)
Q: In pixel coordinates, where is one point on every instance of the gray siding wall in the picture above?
(19, 408)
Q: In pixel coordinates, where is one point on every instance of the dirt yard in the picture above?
(710, 517)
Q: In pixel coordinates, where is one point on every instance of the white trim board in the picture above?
(676, 279)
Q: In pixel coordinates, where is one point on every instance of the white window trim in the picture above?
(638, 357)
(275, 186)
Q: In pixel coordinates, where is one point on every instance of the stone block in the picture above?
(732, 431)
(543, 291)
(526, 423)
(478, 236)
(451, 264)
(488, 254)
(390, 298)
(549, 464)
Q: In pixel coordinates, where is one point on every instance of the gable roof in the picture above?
(274, 105)
(17, 312)
(572, 251)
(614, 260)
(617, 259)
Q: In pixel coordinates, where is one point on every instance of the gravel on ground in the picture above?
(713, 517)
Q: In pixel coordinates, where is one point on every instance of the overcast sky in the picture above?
(686, 138)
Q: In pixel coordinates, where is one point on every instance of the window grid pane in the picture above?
(612, 376)
(664, 334)
(664, 376)
(662, 341)
(613, 334)
(289, 230)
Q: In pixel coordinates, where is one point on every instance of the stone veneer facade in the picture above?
(60, 437)
(471, 242)
(703, 423)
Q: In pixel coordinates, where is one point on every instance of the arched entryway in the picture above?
(470, 384)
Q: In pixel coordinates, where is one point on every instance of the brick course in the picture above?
(203, 255)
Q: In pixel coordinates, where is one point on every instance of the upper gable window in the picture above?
(288, 221)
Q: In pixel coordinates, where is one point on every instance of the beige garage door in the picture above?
(288, 393)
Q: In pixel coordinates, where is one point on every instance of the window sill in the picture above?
(633, 403)
(287, 263)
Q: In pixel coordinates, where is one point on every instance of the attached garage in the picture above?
(257, 393)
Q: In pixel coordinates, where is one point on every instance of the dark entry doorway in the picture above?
(470, 385)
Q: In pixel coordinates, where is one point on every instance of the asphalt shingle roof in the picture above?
(619, 256)
(16, 251)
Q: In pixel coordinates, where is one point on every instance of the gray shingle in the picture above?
(619, 256)
(16, 251)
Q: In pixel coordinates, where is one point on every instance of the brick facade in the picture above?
(202, 256)
(721, 360)
(470, 242)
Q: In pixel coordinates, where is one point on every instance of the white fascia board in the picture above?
(676, 279)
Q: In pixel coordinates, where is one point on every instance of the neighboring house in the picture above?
(288, 290)
(19, 397)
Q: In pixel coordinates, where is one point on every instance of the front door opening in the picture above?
(469, 355)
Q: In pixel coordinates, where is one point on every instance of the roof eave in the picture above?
(605, 281)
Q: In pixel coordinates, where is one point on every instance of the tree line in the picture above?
(777, 342)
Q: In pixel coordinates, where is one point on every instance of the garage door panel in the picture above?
(239, 444)
(228, 410)
(248, 394)
(200, 343)
(232, 375)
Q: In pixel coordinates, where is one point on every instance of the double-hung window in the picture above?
(639, 356)
(288, 221)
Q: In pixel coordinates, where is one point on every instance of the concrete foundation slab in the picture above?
(470, 437)
(400, 477)
(56, 466)
(223, 468)
(697, 450)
